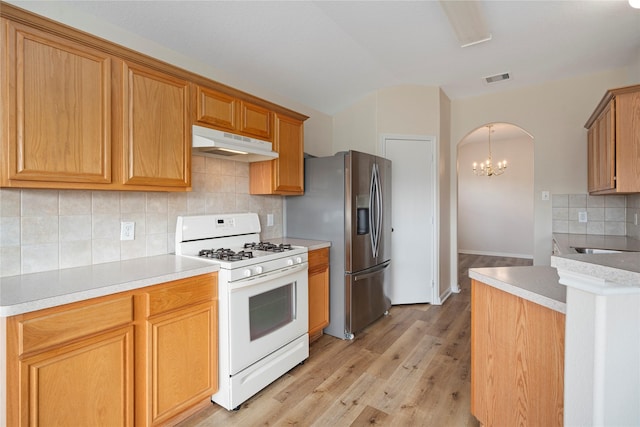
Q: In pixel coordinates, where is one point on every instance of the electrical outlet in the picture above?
(269, 220)
(127, 230)
(635, 218)
(582, 217)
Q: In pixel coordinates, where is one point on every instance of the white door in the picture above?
(413, 241)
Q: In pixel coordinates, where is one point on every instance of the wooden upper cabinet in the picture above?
(215, 109)
(156, 131)
(228, 113)
(255, 121)
(56, 97)
(284, 175)
(613, 140)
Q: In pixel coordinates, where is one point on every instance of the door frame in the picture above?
(435, 278)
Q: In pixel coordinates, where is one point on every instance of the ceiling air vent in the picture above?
(497, 78)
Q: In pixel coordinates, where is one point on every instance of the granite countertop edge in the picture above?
(537, 284)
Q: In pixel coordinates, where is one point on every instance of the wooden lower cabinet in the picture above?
(143, 357)
(318, 292)
(517, 360)
(181, 346)
(72, 365)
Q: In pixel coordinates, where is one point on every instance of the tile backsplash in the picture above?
(633, 216)
(605, 215)
(50, 229)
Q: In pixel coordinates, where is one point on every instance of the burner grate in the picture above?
(268, 247)
(225, 254)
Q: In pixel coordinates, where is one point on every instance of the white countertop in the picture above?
(35, 291)
(614, 273)
(538, 284)
(567, 242)
(310, 244)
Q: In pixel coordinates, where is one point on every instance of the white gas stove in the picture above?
(263, 300)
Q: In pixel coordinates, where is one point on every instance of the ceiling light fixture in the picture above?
(634, 4)
(487, 169)
(467, 20)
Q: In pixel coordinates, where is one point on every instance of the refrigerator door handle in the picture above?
(379, 208)
(372, 212)
(375, 211)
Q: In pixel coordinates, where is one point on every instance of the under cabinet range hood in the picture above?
(215, 143)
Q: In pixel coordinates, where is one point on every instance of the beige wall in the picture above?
(448, 262)
(554, 114)
(495, 214)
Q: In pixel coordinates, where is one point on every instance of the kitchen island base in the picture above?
(517, 360)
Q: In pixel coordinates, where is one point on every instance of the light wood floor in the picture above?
(410, 368)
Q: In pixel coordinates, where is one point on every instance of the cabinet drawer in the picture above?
(318, 257)
(180, 293)
(72, 323)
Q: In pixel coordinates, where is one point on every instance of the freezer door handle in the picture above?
(368, 274)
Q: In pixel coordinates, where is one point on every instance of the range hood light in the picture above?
(228, 150)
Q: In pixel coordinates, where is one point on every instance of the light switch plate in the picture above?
(582, 217)
(545, 195)
(269, 220)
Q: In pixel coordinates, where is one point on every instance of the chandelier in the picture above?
(487, 168)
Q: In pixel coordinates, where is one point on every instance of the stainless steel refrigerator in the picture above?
(347, 201)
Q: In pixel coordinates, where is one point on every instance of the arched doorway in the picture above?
(496, 214)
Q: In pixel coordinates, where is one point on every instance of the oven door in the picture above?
(266, 313)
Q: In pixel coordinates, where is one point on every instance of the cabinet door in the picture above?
(89, 383)
(284, 175)
(255, 121)
(606, 149)
(601, 152)
(627, 145)
(318, 291)
(216, 109)
(57, 100)
(592, 158)
(157, 133)
(289, 173)
(183, 359)
(179, 346)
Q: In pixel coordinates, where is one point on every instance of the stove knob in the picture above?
(259, 269)
(247, 273)
(298, 260)
(289, 262)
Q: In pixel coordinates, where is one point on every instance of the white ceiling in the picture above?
(328, 54)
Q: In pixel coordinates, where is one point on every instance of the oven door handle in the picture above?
(265, 277)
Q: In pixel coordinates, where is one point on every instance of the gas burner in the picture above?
(268, 247)
(225, 254)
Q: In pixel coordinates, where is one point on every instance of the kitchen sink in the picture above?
(596, 251)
